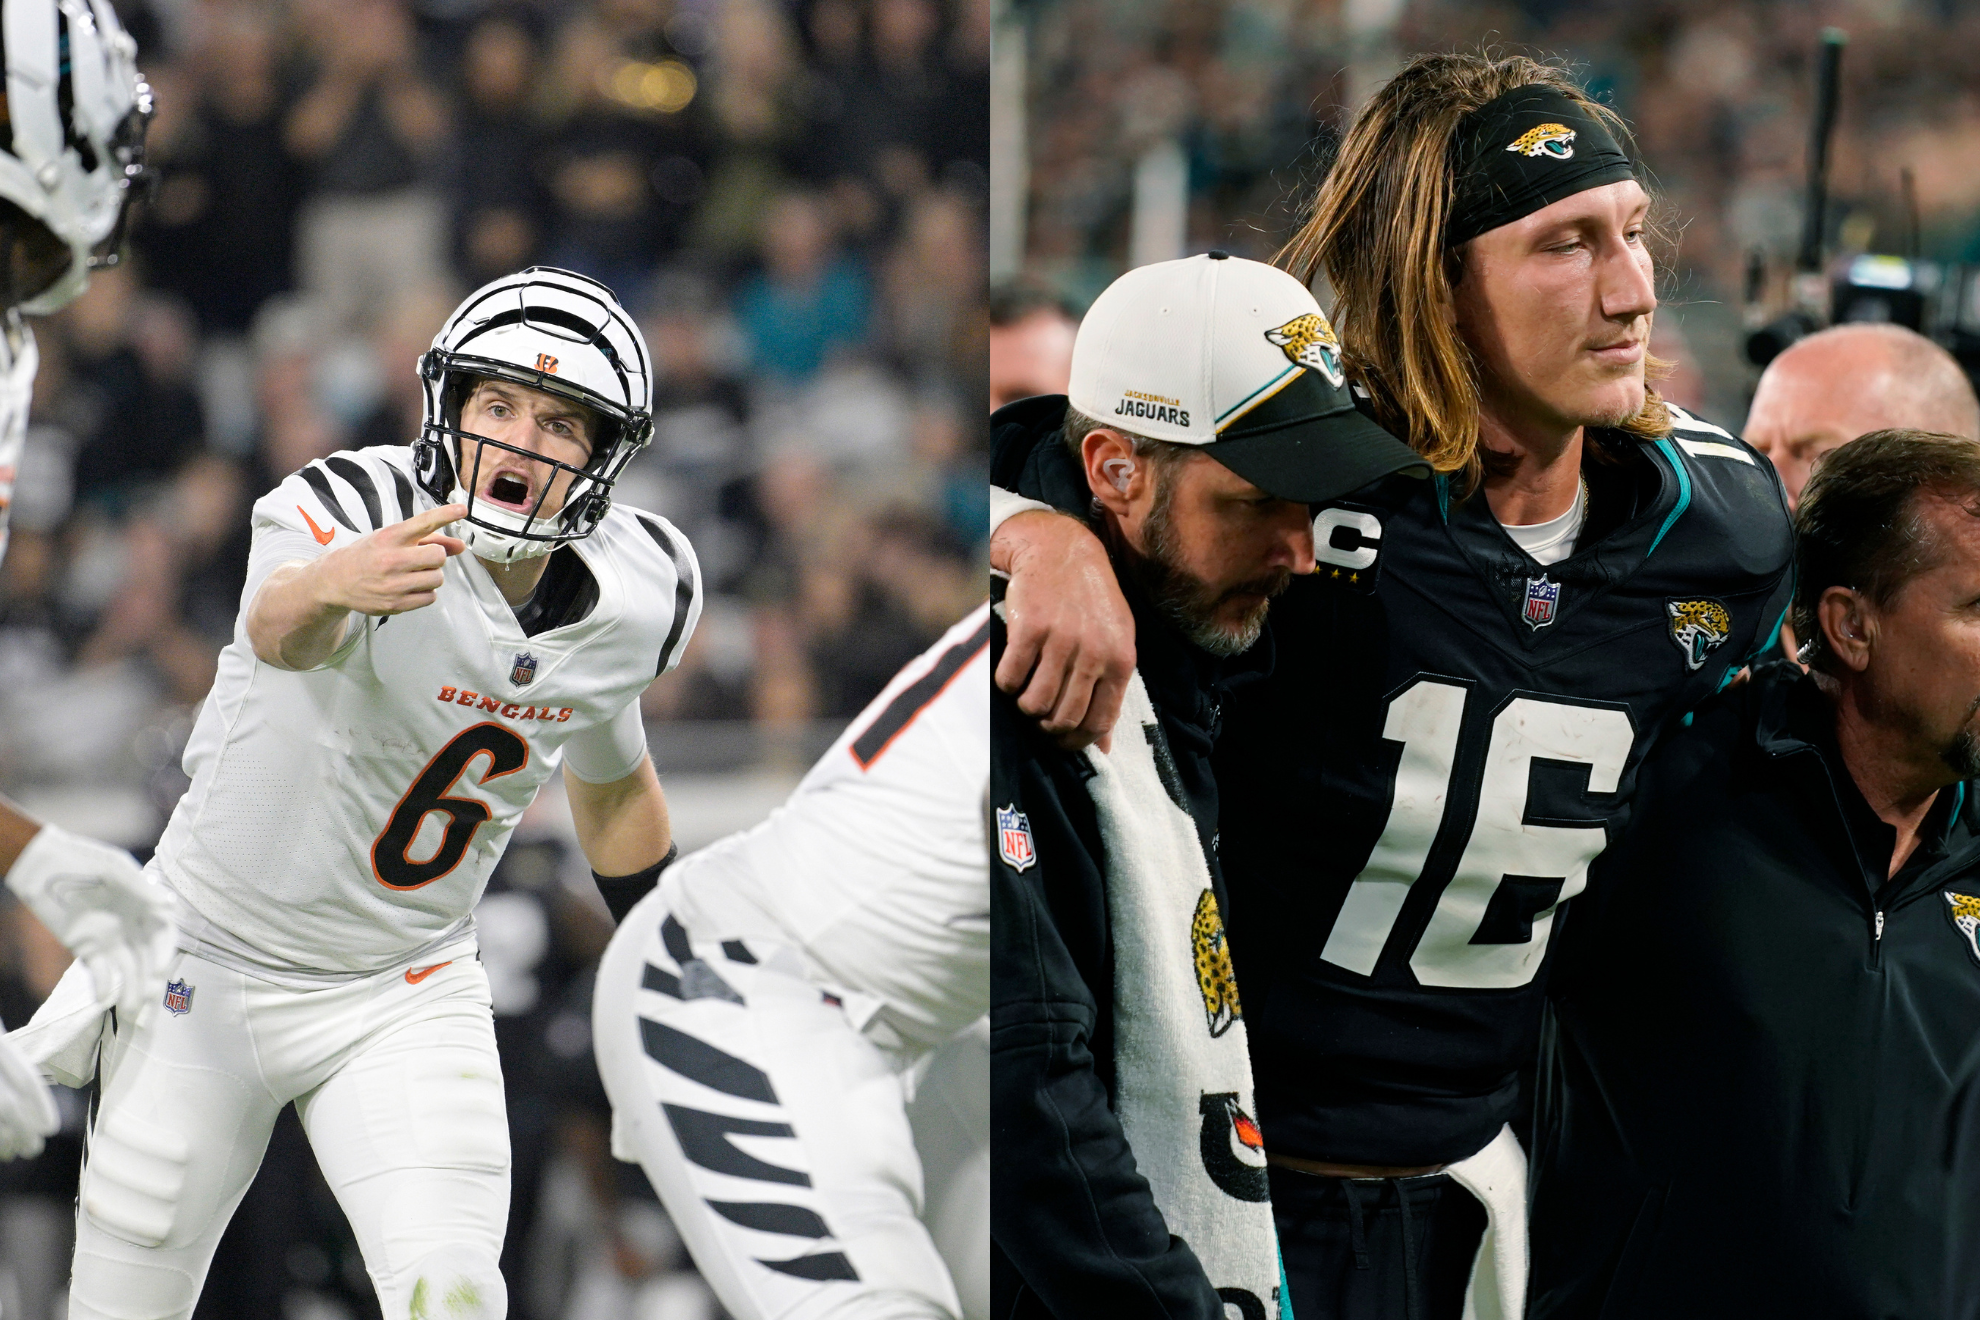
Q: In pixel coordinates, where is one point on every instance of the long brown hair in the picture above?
(1376, 230)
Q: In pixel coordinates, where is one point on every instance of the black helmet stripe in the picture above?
(608, 306)
(557, 316)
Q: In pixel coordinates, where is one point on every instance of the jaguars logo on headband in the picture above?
(1213, 965)
(1963, 910)
(1309, 341)
(1555, 141)
(1698, 627)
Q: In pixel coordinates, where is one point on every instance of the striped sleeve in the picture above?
(687, 588)
(339, 498)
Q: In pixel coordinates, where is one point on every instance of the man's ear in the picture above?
(1845, 617)
(1113, 473)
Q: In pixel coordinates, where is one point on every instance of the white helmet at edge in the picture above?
(551, 330)
(72, 144)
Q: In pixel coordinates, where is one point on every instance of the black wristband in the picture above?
(622, 892)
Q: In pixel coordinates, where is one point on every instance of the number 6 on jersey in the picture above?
(1492, 922)
(391, 852)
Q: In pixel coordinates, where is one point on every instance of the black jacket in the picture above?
(1742, 1112)
(1075, 1232)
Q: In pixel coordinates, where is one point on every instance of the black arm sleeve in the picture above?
(623, 892)
(1070, 1214)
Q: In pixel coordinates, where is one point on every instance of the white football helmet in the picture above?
(71, 141)
(551, 330)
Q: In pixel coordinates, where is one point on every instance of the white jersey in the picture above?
(878, 865)
(344, 820)
(19, 360)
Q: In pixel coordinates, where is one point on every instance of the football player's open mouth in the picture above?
(506, 488)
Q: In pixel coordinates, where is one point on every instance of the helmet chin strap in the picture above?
(496, 547)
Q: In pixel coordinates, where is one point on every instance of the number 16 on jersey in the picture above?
(1492, 921)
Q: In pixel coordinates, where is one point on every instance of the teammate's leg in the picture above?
(184, 1117)
(950, 1115)
(412, 1136)
(776, 1135)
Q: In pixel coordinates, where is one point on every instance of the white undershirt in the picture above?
(1551, 542)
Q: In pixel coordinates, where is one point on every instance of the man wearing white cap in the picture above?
(1464, 692)
(1207, 409)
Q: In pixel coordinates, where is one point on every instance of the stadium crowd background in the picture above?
(790, 196)
(1253, 93)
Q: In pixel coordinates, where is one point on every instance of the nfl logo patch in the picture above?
(523, 672)
(1014, 838)
(1542, 599)
(178, 997)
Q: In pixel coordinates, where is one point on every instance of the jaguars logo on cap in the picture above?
(1698, 627)
(1309, 341)
(1555, 141)
(1213, 965)
(1963, 910)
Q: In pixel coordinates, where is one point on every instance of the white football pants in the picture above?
(398, 1087)
(776, 1135)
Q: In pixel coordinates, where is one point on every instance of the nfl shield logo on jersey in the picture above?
(523, 672)
(1014, 838)
(178, 997)
(1542, 599)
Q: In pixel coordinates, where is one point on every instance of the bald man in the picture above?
(1847, 381)
(1031, 342)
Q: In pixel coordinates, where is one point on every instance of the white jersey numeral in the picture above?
(1492, 922)
(1424, 718)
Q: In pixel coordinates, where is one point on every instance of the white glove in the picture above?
(27, 1111)
(94, 899)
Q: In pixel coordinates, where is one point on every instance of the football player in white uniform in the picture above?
(65, 188)
(388, 707)
(760, 1018)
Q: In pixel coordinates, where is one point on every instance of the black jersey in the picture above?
(1446, 743)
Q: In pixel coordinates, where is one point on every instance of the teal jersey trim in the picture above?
(1444, 496)
(1684, 492)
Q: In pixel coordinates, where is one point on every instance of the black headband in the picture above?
(1524, 150)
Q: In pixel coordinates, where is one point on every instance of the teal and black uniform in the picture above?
(1448, 739)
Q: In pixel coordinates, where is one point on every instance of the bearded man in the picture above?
(1128, 1180)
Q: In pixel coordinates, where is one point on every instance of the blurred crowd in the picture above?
(788, 194)
(1719, 94)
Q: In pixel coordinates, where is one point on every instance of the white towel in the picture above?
(1182, 1074)
(1496, 1175)
(61, 1038)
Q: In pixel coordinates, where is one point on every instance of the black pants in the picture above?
(1376, 1248)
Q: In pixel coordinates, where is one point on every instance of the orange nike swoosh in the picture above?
(414, 978)
(322, 538)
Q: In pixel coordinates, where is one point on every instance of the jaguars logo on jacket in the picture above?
(1309, 341)
(1554, 141)
(1963, 910)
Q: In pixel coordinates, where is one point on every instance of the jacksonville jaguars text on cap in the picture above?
(1152, 408)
